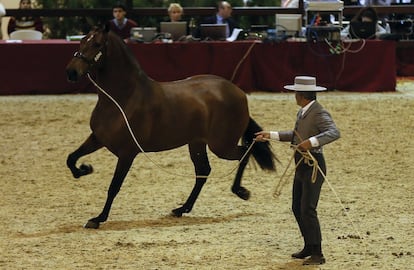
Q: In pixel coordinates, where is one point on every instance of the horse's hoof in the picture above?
(86, 169)
(91, 225)
(180, 211)
(175, 213)
(242, 193)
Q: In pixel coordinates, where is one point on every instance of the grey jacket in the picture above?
(315, 122)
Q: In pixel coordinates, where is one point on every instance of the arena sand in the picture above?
(43, 208)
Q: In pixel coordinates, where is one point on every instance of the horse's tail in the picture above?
(261, 151)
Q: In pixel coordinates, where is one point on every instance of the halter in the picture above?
(94, 59)
(90, 62)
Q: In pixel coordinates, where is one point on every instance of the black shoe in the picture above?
(314, 260)
(305, 252)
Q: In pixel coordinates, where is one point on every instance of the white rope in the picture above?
(241, 61)
(145, 153)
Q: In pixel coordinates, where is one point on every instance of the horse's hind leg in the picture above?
(237, 189)
(235, 153)
(90, 145)
(199, 157)
(122, 168)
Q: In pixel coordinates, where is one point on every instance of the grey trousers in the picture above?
(305, 199)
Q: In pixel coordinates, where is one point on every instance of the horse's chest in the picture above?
(111, 128)
(106, 125)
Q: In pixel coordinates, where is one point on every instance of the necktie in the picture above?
(295, 140)
(227, 27)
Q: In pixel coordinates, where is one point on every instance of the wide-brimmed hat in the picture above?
(304, 84)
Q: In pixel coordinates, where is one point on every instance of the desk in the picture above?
(405, 58)
(38, 67)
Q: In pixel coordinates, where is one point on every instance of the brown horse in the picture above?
(198, 111)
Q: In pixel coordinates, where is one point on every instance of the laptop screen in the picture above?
(213, 31)
(144, 34)
(176, 29)
(362, 30)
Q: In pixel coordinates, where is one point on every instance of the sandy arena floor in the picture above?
(43, 208)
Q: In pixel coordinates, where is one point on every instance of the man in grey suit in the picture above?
(314, 128)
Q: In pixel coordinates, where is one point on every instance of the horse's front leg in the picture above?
(90, 145)
(122, 168)
(202, 169)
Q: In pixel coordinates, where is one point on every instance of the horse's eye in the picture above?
(96, 45)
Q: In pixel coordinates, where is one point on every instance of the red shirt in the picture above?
(124, 30)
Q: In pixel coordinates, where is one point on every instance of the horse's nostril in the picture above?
(72, 75)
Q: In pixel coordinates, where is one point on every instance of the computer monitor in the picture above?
(289, 24)
(143, 34)
(176, 29)
(213, 31)
(362, 30)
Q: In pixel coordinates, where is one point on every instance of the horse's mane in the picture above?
(116, 41)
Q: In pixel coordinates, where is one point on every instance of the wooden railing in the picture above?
(201, 11)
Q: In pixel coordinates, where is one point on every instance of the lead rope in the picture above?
(143, 151)
(308, 159)
(242, 60)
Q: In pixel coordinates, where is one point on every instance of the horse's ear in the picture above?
(106, 27)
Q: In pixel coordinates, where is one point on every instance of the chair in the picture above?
(26, 35)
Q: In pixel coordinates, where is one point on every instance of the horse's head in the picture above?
(91, 54)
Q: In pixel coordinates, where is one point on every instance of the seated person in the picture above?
(120, 24)
(2, 13)
(290, 3)
(24, 23)
(375, 2)
(2, 10)
(367, 14)
(175, 12)
(223, 16)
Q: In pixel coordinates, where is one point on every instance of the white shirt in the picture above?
(220, 20)
(120, 26)
(304, 109)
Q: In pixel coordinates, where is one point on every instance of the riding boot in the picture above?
(316, 257)
(305, 252)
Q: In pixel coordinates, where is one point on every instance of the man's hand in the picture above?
(305, 145)
(262, 136)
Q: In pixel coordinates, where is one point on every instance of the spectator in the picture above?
(24, 23)
(2, 13)
(367, 14)
(120, 24)
(375, 2)
(2, 10)
(223, 16)
(290, 3)
(175, 12)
